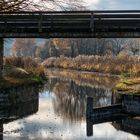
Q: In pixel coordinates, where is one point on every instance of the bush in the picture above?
(121, 64)
(28, 64)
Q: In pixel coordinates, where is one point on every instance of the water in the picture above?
(57, 110)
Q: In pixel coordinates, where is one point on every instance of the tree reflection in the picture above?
(70, 99)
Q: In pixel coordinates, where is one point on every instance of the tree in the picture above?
(18, 5)
(134, 45)
(42, 51)
(33, 5)
(24, 47)
(118, 44)
(60, 46)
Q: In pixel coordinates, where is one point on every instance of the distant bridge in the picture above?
(70, 24)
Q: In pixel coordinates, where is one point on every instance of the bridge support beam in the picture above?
(1, 56)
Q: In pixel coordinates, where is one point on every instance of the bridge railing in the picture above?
(71, 23)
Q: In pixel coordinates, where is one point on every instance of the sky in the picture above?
(113, 4)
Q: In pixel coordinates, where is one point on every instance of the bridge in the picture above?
(70, 24)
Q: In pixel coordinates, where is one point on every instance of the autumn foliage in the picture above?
(121, 65)
(29, 64)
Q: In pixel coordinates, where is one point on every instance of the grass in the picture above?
(21, 71)
(123, 85)
(124, 65)
(27, 65)
(130, 86)
(131, 81)
(8, 82)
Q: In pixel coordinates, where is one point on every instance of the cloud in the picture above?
(113, 4)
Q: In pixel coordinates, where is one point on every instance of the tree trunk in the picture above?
(1, 56)
(72, 50)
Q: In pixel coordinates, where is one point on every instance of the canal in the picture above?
(57, 110)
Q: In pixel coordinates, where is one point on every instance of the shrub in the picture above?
(121, 64)
(27, 63)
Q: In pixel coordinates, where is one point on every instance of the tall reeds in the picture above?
(121, 65)
(32, 66)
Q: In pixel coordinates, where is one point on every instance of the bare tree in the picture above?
(134, 45)
(24, 47)
(118, 44)
(18, 5)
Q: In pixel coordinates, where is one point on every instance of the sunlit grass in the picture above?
(128, 86)
(123, 65)
(21, 71)
(26, 65)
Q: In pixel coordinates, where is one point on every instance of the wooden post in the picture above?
(1, 55)
(89, 112)
(112, 97)
(89, 109)
(89, 125)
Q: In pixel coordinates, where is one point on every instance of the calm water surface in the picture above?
(57, 111)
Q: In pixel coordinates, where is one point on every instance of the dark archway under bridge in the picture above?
(69, 24)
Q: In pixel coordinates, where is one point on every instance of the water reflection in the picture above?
(84, 78)
(59, 110)
(122, 116)
(125, 124)
(17, 103)
(70, 99)
(130, 125)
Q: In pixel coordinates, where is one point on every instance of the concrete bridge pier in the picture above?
(1, 56)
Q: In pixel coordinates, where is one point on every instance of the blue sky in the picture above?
(113, 4)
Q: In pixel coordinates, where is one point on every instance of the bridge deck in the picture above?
(70, 24)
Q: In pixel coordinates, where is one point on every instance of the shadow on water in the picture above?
(16, 103)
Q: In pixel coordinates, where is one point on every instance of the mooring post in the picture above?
(89, 126)
(1, 56)
(112, 97)
(89, 109)
(89, 112)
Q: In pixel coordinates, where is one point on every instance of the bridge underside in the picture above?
(72, 24)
